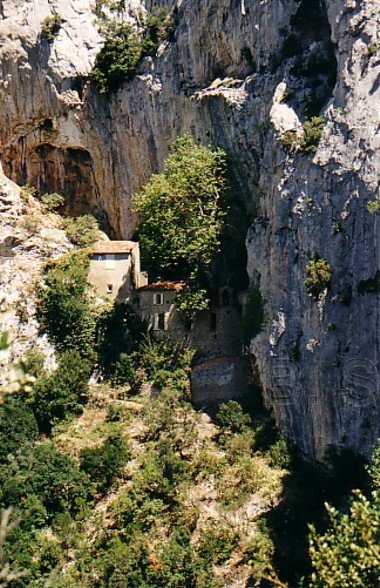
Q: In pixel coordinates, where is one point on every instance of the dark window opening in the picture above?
(213, 321)
(161, 321)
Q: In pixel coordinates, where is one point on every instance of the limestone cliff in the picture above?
(237, 73)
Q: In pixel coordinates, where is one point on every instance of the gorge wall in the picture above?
(239, 74)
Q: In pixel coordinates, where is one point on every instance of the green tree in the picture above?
(118, 59)
(103, 464)
(44, 472)
(63, 392)
(18, 426)
(63, 303)
(180, 211)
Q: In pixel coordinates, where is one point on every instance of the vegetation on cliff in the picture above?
(125, 46)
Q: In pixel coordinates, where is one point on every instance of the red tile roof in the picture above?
(163, 286)
(104, 247)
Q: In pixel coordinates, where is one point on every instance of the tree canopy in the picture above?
(181, 211)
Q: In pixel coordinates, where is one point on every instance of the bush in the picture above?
(63, 392)
(155, 356)
(373, 206)
(216, 545)
(18, 426)
(125, 373)
(44, 472)
(280, 454)
(181, 213)
(119, 330)
(231, 416)
(52, 201)
(103, 464)
(82, 231)
(63, 304)
(313, 130)
(118, 59)
(158, 27)
(319, 276)
(51, 27)
(348, 554)
(124, 47)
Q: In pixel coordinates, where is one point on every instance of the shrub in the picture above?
(103, 464)
(231, 416)
(51, 26)
(123, 49)
(125, 373)
(44, 472)
(63, 306)
(31, 223)
(216, 545)
(181, 213)
(18, 426)
(52, 201)
(291, 140)
(372, 49)
(119, 330)
(63, 392)
(118, 59)
(158, 27)
(319, 276)
(280, 454)
(313, 130)
(373, 206)
(155, 356)
(82, 231)
(258, 554)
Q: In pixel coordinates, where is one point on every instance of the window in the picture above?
(213, 321)
(158, 298)
(161, 322)
(109, 288)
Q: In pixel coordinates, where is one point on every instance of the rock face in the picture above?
(237, 73)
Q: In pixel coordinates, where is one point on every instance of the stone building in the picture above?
(115, 270)
(215, 334)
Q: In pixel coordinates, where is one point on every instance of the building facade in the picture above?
(115, 270)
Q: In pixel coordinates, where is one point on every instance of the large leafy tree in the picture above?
(181, 212)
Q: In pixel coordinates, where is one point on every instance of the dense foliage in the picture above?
(62, 303)
(182, 218)
(63, 392)
(319, 275)
(180, 210)
(52, 201)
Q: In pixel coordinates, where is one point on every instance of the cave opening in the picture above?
(313, 70)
